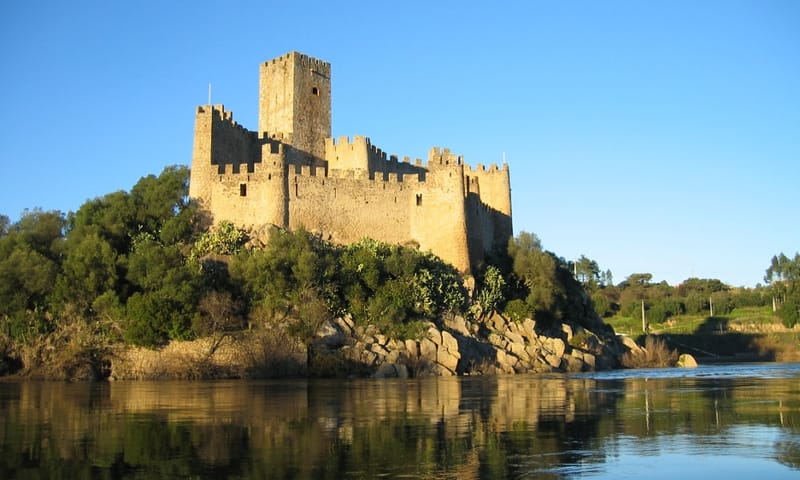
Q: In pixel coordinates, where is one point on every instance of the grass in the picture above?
(655, 354)
(748, 332)
(747, 319)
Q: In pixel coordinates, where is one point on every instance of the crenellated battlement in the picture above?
(291, 172)
(235, 169)
(481, 169)
(224, 117)
(346, 141)
(443, 157)
(301, 59)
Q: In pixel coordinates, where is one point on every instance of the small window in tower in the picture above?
(242, 189)
(419, 199)
(315, 91)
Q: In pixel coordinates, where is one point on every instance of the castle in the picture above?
(291, 173)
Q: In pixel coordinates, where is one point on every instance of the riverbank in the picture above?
(453, 346)
(343, 349)
(456, 346)
(747, 334)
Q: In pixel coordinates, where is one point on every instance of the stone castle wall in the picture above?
(292, 174)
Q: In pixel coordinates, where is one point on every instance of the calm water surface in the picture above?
(740, 421)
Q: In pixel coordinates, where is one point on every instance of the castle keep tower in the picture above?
(292, 174)
(295, 100)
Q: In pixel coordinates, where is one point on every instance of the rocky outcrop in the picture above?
(686, 361)
(463, 347)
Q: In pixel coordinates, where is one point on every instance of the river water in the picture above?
(722, 421)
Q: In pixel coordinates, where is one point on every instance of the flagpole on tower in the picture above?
(209, 93)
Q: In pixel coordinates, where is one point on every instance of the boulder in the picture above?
(496, 323)
(590, 361)
(497, 340)
(514, 337)
(574, 363)
(391, 370)
(345, 324)
(505, 362)
(412, 348)
(447, 358)
(592, 344)
(567, 330)
(686, 361)
(458, 324)
(528, 326)
(518, 349)
(449, 342)
(435, 335)
(427, 349)
(385, 370)
(378, 349)
(331, 335)
(553, 360)
(629, 344)
(368, 358)
(555, 346)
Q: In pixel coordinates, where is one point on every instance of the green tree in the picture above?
(292, 279)
(602, 302)
(703, 286)
(783, 276)
(789, 312)
(161, 205)
(166, 292)
(110, 217)
(607, 278)
(30, 251)
(587, 272)
(157, 205)
(89, 270)
(549, 289)
(42, 231)
(26, 280)
(393, 286)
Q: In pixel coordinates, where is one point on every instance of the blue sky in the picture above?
(657, 136)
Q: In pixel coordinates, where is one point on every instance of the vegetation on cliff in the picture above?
(143, 268)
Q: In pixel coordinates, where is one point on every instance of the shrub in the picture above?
(790, 312)
(654, 354)
(491, 293)
(517, 310)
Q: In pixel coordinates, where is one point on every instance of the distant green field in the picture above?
(745, 317)
(748, 331)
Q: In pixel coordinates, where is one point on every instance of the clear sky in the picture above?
(650, 136)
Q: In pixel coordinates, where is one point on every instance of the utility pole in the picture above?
(644, 319)
(711, 305)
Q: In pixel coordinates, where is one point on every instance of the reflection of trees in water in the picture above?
(472, 427)
(788, 451)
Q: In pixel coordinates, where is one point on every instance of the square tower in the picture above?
(295, 100)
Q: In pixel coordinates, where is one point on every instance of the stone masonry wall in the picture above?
(291, 174)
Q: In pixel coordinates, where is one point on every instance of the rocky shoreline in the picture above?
(458, 346)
